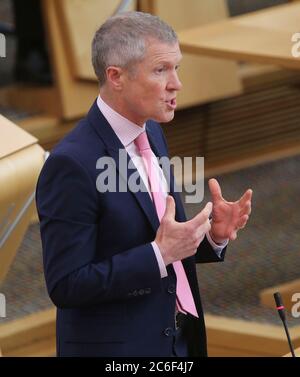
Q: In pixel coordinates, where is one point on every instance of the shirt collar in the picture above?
(126, 130)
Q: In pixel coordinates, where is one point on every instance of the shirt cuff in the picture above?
(160, 261)
(218, 248)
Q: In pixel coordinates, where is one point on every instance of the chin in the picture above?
(165, 118)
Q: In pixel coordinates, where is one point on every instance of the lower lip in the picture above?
(172, 104)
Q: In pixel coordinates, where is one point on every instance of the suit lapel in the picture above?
(113, 147)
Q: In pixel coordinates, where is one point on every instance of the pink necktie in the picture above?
(184, 298)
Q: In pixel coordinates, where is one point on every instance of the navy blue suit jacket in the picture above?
(100, 268)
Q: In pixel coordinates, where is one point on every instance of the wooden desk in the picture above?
(297, 353)
(286, 290)
(21, 160)
(260, 37)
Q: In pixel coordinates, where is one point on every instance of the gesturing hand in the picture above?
(228, 217)
(179, 240)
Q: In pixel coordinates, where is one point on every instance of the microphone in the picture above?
(281, 312)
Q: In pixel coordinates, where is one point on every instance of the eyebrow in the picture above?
(165, 62)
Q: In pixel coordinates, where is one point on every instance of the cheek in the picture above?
(158, 96)
(150, 96)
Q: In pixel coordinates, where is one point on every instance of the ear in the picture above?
(114, 76)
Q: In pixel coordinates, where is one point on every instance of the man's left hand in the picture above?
(227, 217)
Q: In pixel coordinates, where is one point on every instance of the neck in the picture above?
(116, 103)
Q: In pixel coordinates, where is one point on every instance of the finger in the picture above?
(243, 221)
(246, 197)
(246, 209)
(203, 229)
(202, 216)
(170, 208)
(233, 236)
(201, 239)
(215, 189)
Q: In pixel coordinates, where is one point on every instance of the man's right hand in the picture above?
(177, 240)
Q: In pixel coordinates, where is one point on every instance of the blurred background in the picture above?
(239, 108)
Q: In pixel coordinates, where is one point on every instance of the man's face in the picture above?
(150, 92)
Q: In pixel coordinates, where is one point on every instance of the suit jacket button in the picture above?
(168, 331)
(171, 289)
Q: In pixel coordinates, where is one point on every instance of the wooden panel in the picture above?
(74, 97)
(204, 79)
(296, 351)
(247, 338)
(259, 126)
(32, 335)
(13, 138)
(79, 23)
(49, 131)
(18, 174)
(191, 12)
(33, 99)
(282, 18)
(261, 37)
(258, 76)
(286, 290)
(215, 351)
(21, 160)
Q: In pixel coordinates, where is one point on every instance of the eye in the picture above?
(159, 70)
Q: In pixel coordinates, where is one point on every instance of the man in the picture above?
(120, 264)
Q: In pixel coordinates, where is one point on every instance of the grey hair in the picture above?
(121, 40)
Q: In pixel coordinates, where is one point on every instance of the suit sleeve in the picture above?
(206, 254)
(75, 273)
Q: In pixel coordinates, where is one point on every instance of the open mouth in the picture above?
(172, 103)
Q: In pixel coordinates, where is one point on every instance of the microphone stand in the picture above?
(281, 312)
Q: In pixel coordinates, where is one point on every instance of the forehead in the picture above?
(157, 52)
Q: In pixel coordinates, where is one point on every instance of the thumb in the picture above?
(215, 189)
(207, 210)
(202, 216)
(170, 208)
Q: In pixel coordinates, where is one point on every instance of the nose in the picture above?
(174, 83)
